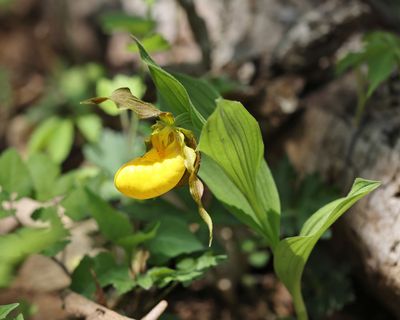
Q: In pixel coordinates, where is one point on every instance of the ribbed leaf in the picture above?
(232, 139)
(292, 253)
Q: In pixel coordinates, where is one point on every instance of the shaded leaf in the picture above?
(44, 173)
(172, 92)
(202, 94)
(173, 239)
(104, 269)
(14, 175)
(113, 224)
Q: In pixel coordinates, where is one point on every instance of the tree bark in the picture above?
(326, 140)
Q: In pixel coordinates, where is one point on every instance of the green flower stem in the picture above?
(299, 306)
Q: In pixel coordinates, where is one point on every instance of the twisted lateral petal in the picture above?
(150, 175)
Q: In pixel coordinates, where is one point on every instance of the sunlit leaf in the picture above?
(232, 139)
(15, 247)
(55, 137)
(6, 309)
(90, 126)
(292, 253)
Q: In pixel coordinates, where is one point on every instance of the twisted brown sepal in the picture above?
(196, 190)
(124, 99)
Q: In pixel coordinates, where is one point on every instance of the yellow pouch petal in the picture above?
(151, 175)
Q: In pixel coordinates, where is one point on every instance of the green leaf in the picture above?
(19, 317)
(113, 224)
(6, 309)
(292, 253)
(113, 150)
(105, 87)
(44, 173)
(90, 126)
(173, 239)
(104, 269)
(350, 60)
(232, 139)
(55, 137)
(187, 270)
(380, 67)
(201, 92)
(76, 204)
(171, 91)
(133, 240)
(14, 175)
(61, 141)
(153, 43)
(15, 247)
(235, 201)
(119, 21)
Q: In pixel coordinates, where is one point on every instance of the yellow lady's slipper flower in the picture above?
(171, 159)
(155, 173)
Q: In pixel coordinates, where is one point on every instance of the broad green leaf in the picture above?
(55, 137)
(232, 139)
(105, 88)
(201, 93)
(235, 201)
(172, 92)
(292, 253)
(6, 309)
(104, 269)
(153, 43)
(90, 126)
(173, 239)
(14, 175)
(44, 173)
(15, 247)
(119, 21)
(42, 135)
(113, 224)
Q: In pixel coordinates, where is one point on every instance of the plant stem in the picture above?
(299, 306)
